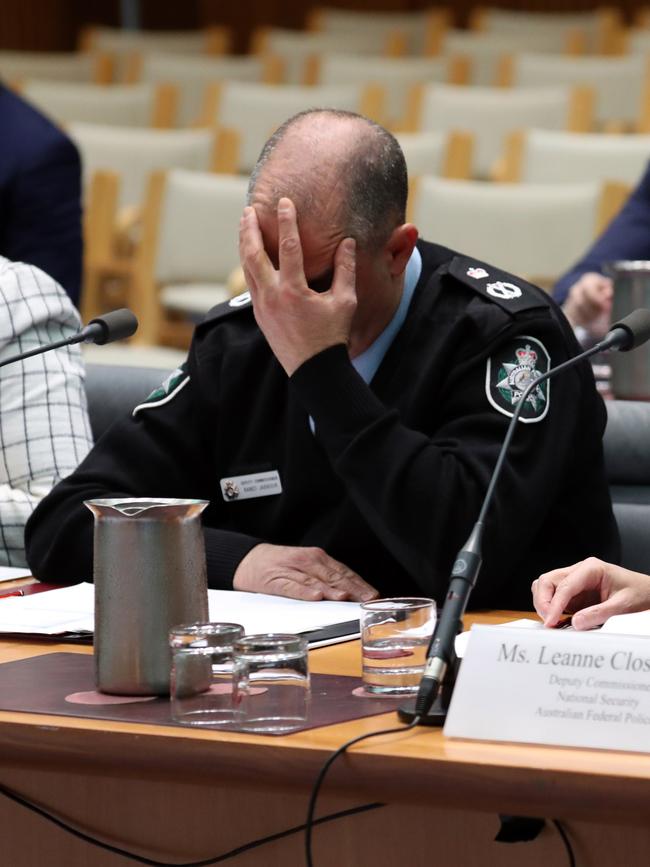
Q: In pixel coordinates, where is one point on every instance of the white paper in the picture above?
(12, 573)
(71, 609)
(628, 624)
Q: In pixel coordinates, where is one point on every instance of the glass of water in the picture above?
(201, 687)
(395, 635)
(271, 680)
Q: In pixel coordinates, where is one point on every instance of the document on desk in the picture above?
(12, 573)
(69, 612)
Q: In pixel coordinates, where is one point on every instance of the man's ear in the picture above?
(399, 247)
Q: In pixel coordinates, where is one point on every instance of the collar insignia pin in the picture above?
(477, 273)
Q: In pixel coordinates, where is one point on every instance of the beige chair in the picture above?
(395, 75)
(484, 54)
(490, 114)
(17, 66)
(619, 83)
(136, 105)
(126, 46)
(116, 166)
(533, 230)
(596, 30)
(549, 156)
(189, 248)
(421, 29)
(299, 53)
(247, 114)
(190, 75)
(435, 153)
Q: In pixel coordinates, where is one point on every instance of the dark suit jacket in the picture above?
(40, 193)
(626, 237)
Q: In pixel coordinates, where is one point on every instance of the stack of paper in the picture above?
(69, 612)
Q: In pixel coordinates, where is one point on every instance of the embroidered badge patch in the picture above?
(176, 380)
(511, 370)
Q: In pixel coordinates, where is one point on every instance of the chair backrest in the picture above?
(492, 113)
(197, 226)
(396, 75)
(191, 74)
(534, 230)
(297, 50)
(618, 82)
(437, 153)
(485, 52)
(135, 153)
(55, 66)
(113, 391)
(254, 111)
(559, 157)
(117, 40)
(421, 28)
(139, 105)
(627, 461)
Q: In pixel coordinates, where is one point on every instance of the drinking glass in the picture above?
(395, 635)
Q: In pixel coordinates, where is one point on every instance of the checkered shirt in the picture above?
(44, 427)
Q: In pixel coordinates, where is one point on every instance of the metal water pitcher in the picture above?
(630, 370)
(150, 574)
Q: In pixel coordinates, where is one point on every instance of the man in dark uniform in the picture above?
(345, 423)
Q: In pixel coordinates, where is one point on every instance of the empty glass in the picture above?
(201, 685)
(271, 682)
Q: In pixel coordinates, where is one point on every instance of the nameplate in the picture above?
(542, 686)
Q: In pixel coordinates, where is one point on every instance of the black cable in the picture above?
(566, 841)
(70, 829)
(323, 771)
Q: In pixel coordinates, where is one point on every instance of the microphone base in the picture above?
(437, 713)
(435, 717)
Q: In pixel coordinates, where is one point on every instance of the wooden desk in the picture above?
(178, 795)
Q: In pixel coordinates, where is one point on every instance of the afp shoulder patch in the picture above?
(511, 293)
(167, 391)
(510, 370)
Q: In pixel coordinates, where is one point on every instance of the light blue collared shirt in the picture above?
(368, 362)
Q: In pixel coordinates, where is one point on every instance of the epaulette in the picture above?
(512, 294)
(227, 308)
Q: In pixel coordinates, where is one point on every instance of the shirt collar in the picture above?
(367, 363)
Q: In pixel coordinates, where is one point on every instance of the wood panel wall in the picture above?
(53, 25)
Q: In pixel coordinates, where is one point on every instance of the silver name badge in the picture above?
(254, 485)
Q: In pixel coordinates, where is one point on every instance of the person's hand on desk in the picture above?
(300, 573)
(590, 590)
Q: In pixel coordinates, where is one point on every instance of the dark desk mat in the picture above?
(44, 684)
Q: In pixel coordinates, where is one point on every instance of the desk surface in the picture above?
(422, 765)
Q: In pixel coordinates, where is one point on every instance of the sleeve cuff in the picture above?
(335, 395)
(224, 551)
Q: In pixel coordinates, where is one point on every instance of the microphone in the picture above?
(115, 325)
(441, 664)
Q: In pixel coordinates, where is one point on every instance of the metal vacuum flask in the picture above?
(150, 574)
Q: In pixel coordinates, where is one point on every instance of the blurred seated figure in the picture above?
(585, 292)
(592, 591)
(44, 428)
(40, 193)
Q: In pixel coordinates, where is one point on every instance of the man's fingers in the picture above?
(345, 270)
(341, 582)
(292, 270)
(257, 266)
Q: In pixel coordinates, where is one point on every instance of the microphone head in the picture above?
(631, 331)
(116, 325)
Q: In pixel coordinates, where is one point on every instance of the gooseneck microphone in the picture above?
(116, 325)
(623, 336)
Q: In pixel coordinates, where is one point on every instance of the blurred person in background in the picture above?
(40, 193)
(585, 292)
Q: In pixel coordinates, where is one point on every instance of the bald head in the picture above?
(345, 174)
